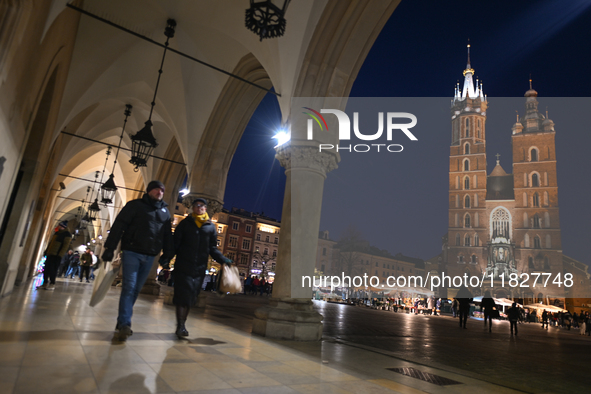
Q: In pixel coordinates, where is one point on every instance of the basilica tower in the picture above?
(537, 226)
(467, 177)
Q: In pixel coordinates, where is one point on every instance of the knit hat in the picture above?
(155, 184)
(201, 200)
(64, 224)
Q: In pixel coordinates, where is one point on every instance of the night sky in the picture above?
(421, 52)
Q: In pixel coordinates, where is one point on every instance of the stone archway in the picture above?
(232, 111)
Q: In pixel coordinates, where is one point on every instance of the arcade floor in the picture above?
(53, 342)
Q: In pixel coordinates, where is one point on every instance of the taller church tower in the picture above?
(467, 178)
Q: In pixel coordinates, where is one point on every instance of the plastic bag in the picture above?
(229, 280)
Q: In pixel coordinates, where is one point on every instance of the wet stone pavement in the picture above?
(536, 360)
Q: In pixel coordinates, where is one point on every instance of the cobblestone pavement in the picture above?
(537, 360)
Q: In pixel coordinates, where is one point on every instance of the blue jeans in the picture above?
(136, 268)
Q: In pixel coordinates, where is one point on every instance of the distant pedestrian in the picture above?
(438, 307)
(513, 315)
(65, 263)
(488, 304)
(454, 307)
(58, 246)
(85, 264)
(74, 262)
(464, 299)
(545, 319)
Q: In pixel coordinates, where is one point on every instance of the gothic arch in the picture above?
(229, 117)
(500, 223)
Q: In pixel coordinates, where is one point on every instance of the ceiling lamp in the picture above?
(143, 143)
(267, 18)
(108, 189)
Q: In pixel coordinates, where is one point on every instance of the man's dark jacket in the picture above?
(193, 246)
(143, 226)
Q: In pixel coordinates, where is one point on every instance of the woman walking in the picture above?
(195, 239)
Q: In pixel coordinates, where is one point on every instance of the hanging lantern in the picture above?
(142, 145)
(108, 190)
(267, 18)
(93, 210)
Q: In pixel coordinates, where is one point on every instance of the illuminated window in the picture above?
(233, 241)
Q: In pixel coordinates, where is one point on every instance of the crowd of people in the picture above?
(254, 284)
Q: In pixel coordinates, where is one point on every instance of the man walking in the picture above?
(58, 246)
(464, 297)
(65, 263)
(513, 315)
(144, 228)
(85, 264)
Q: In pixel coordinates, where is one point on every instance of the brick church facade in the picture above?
(504, 223)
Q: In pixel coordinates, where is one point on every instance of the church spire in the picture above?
(469, 90)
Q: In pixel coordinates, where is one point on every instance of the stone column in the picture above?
(289, 314)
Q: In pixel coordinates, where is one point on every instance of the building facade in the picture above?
(500, 223)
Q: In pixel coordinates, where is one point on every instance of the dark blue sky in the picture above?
(421, 52)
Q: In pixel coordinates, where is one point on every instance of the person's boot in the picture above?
(124, 333)
(43, 286)
(181, 318)
(51, 286)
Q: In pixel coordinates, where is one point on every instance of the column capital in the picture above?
(213, 205)
(306, 157)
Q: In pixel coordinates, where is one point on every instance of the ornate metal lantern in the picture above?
(108, 189)
(93, 210)
(143, 143)
(267, 18)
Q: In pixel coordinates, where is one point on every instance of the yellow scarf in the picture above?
(200, 219)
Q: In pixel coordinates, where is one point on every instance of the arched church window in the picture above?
(476, 240)
(467, 149)
(530, 263)
(458, 240)
(467, 202)
(473, 259)
(537, 243)
(536, 220)
(467, 240)
(533, 154)
(536, 200)
(467, 127)
(500, 223)
(466, 183)
(535, 180)
(546, 220)
(526, 240)
(466, 164)
(467, 220)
